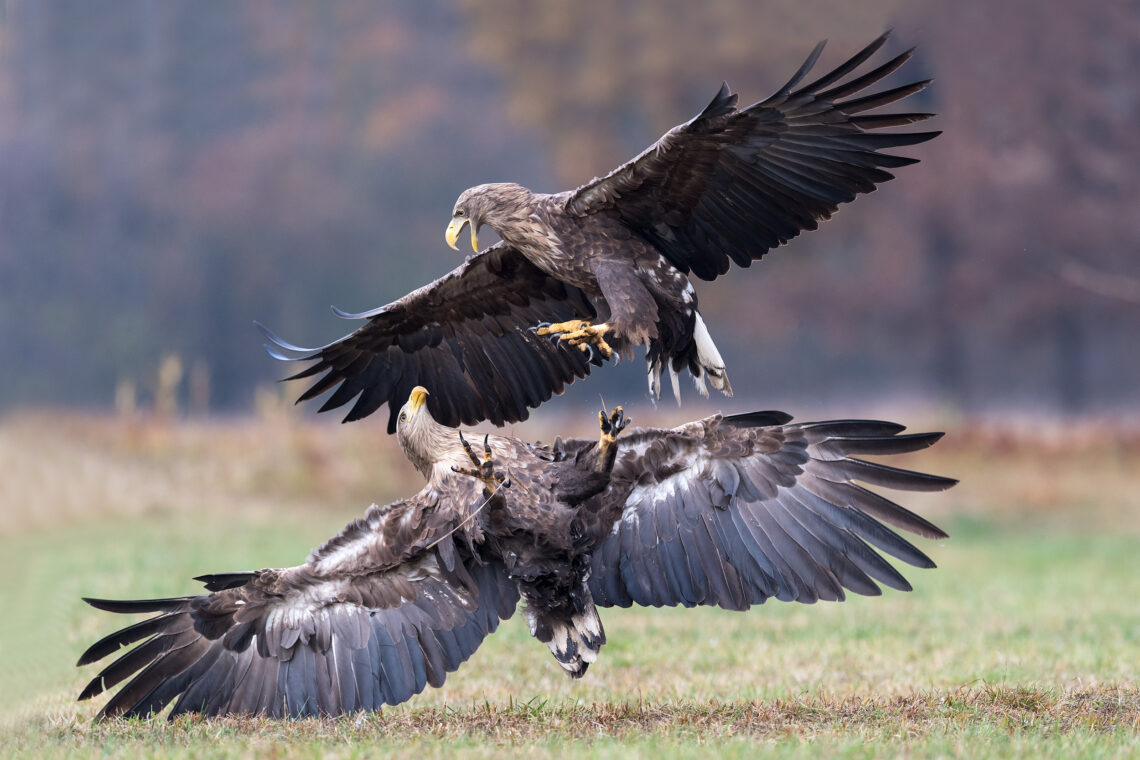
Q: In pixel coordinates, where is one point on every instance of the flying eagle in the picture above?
(725, 511)
(606, 267)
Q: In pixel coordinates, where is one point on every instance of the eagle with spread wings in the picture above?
(584, 274)
(726, 511)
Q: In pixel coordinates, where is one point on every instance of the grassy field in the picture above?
(1024, 642)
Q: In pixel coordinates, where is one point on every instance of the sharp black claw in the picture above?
(615, 423)
(467, 447)
(484, 468)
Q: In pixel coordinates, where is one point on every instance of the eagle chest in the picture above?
(526, 525)
(548, 256)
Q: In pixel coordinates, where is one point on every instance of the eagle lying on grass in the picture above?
(724, 511)
(606, 267)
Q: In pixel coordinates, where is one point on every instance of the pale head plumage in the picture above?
(423, 440)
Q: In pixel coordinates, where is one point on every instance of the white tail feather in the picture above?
(709, 358)
(655, 379)
(575, 643)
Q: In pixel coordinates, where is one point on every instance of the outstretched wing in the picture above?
(732, 184)
(375, 614)
(465, 336)
(732, 511)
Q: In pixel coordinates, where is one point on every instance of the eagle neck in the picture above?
(428, 445)
(525, 227)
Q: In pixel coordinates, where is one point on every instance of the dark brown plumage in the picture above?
(725, 511)
(606, 267)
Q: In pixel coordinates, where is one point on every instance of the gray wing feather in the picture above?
(380, 611)
(348, 657)
(732, 512)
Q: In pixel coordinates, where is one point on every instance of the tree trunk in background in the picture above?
(948, 361)
(1070, 353)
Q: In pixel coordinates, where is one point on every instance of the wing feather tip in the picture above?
(280, 343)
(93, 689)
(722, 104)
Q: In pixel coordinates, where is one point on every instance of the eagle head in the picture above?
(422, 439)
(493, 204)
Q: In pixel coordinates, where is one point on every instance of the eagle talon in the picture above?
(596, 344)
(613, 425)
(592, 336)
(484, 469)
(566, 328)
(611, 429)
(578, 333)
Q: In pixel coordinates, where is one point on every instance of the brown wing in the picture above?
(466, 337)
(731, 184)
(376, 614)
(732, 512)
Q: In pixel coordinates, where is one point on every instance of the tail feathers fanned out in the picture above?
(574, 641)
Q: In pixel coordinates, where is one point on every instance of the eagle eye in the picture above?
(459, 212)
(403, 416)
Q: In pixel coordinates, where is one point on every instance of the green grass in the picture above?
(1024, 642)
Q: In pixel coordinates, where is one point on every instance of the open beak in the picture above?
(455, 228)
(418, 398)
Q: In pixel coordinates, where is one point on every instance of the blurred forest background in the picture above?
(171, 171)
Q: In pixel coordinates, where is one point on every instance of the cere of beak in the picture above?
(453, 231)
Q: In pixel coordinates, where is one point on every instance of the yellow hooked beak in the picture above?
(455, 228)
(418, 398)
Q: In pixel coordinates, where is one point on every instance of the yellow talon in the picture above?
(582, 334)
(574, 325)
(611, 427)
